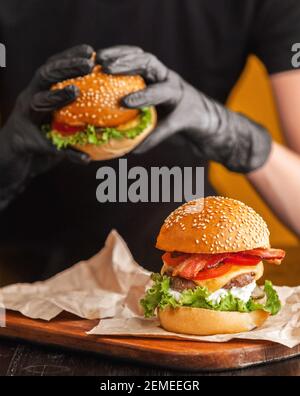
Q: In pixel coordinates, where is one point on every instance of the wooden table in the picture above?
(20, 358)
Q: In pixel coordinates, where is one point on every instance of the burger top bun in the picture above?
(98, 102)
(199, 321)
(213, 225)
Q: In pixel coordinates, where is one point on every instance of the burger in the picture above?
(214, 249)
(96, 122)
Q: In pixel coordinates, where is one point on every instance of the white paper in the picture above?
(110, 285)
(97, 288)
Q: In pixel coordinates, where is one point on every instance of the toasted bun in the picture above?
(98, 102)
(198, 321)
(213, 225)
(117, 147)
(213, 284)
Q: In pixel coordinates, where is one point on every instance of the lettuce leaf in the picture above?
(195, 298)
(273, 304)
(159, 296)
(98, 136)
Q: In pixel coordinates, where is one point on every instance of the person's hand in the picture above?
(219, 134)
(24, 149)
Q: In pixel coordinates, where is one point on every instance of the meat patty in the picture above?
(180, 284)
(240, 280)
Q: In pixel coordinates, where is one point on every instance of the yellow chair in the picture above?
(253, 97)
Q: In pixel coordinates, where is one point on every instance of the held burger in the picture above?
(214, 252)
(95, 122)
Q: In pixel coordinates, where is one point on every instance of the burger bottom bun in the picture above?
(117, 147)
(199, 321)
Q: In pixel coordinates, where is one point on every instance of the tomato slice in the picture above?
(175, 260)
(214, 272)
(242, 259)
(66, 129)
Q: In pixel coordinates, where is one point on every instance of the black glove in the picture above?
(218, 133)
(24, 149)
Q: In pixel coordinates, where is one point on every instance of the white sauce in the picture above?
(243, 293)
(217, 296)
(175, 294)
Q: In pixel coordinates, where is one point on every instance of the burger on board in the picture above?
(214, 252)
(96, 122)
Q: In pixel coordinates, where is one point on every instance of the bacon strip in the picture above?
(193, 264)
(272, 256)
(190, 267)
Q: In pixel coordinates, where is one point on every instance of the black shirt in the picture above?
(206, 41)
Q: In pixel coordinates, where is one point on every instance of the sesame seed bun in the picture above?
(199, 321)
(98, 102)
(99, 105)
(213, 225)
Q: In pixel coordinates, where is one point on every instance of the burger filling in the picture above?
(181, 284)
(63, 135)
(222, 282)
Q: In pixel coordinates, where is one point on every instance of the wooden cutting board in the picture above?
(69, 331)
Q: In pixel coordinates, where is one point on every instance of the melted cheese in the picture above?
(214, 284)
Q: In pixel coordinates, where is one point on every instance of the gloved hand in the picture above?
(24, 149)
(219, 134)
